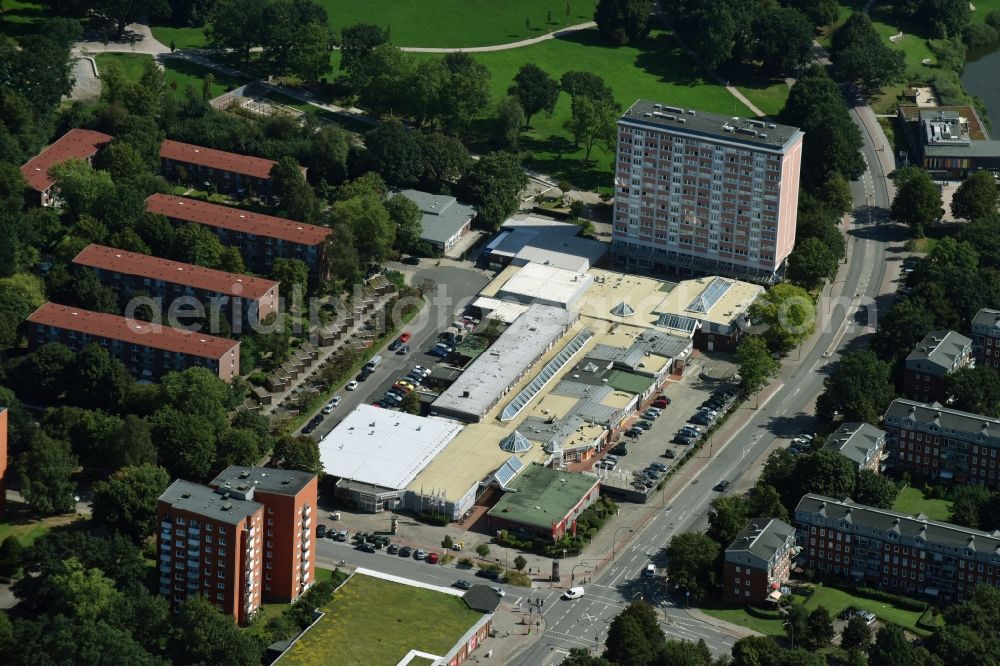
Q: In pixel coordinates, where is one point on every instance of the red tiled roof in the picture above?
(155, 268)
(132, 331)
(235, 219)
(76, 144)
(257, 167)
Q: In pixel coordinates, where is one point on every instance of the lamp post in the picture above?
(614, 540)
(791, 628)
(572, 573)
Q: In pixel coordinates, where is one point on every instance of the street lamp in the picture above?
(572, 573)
(791, 628)
(614, 540)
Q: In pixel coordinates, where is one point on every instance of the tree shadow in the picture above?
(662, 57)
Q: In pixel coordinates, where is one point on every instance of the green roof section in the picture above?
(628, 382)
(540, 496)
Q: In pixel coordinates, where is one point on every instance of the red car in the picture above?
(404, 337)
(661, 402)
(432, 558)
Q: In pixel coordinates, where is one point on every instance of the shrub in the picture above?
(466, 562)
(980, 36)
(896, 599)
(993, 20)
(433, 519)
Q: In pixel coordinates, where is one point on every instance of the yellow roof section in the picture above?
(609, 289)
(735, 301)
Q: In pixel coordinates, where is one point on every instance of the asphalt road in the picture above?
(454, 289)
(584, 623)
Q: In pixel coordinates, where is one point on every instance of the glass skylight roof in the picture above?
(710, 295)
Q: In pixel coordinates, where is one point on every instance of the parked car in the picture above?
(491, 574)
(366, 547)
(312, 425)
(722, 486)
(462, 584)
(650, 415)
(659, 466)
(403, 351)
(701, 419)
(620, 450)
(573, 593)
(680, 438)
(404, 337)
(645, 425)
(690, 430)
(419, 554)
(661, 401)
(332, 534)
(649, 571)
(422, 370)
(343, 535)
(633, 432)
(432, 558)
(393, 549)
(440, 353)
(332, 405)
(394, 345)
(320, 531)
(669, 453)
(352, 385)
(405, 551)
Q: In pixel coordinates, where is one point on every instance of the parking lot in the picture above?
(655, 445)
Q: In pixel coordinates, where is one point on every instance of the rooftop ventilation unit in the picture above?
(672, 109)
(748, 132)
(772, 126)
(757, 123)
(692, 112)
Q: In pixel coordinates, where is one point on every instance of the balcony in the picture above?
(165, 557)
(166, 538)
(164, 580)
(194, 533)
(194, 543)
(193, 574)
(306, 524)
(306, 511)
(306, 544)
(193, 564)
(164, 591)
(166, 525)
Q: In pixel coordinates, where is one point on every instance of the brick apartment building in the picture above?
(758, 562)
(243, 300)
(941, 443)
(895, 551)
(210, 544)
(149, 351)
(289, 499)
(246, 539)
(229, 172)
(927, 367)
(3, 459)
(260, 238)
(986, 338)
(699, 193)
(861, 443)
(76, 144)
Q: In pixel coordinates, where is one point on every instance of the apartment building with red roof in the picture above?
(76, 144)
(230, 172)
(260, 238)
(148, 350)
(244, 300)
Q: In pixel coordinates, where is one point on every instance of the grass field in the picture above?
(739, 615)
(21, 522)
(179, 73)
(912, 501)
(18, 17)
(436, 23)
(768, 97)
(837, 600)
(657, 70)
(373, 621)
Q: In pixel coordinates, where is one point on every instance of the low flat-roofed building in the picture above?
(511, 357)
(546, 285)
(861, 443)
(444, 221)
(927, 367)
(544, 503)
(76, 144)
(250, 299)
(148, 350)
(260, 238)
(986, 338)
(230, 172)
(376, 453)
(533, 239)
(949, 141)
(504, 312)
(758, 562)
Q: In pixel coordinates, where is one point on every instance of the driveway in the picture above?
(87, 84)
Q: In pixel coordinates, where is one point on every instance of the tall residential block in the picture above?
(699, 193)
(148, 350)
(242, 300)
(260, 238)
(76, 144)
(926, 370)
(289, 498)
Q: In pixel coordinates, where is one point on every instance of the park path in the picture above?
(502, 47)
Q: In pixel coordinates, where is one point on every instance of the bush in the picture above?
(763, 613)
(257, 378)
(931, 619)
(905, 603)
(433, 519)
(980, 36)
(466, 562)
(993, 20)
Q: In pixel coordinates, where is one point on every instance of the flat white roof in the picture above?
(495, 370)
(538, 283)
(384, 448)
(502, 311)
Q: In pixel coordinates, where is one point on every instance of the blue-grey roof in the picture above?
(762, 539)
(240, 479)
(939, 352)
(204, 501)
(856, 441)
(443, 216)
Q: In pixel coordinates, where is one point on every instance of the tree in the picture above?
(510, 120)
(902, 328)
(825, 473)
(756, 364)
(406, 215)
(918, 200)
(300, 453)
(483, 550)
(292, 274)
(123, 12)
(126, 502)
(410, 403)
(309, 55)
(873, 489)
(784, 40)
(370, 225)
(11, 555)
(947, 18)
(634, 636)
(45, 471)
(692, 562)
(198, 392)
(237, 25)
(975, 390)
(520, 562)
(186, 442)
(784, 316)
(820, 628)
(712, 29)
(493, 185)
(131, 445)
(84, 594)
(820, 12)
(20, 295)
(444, 161)
(357, 42)
(892, 648)
(797, 623)
(856, 634)
(203, 635)
(810, 263)
(765, 501)
(860, 55)
(859, 388)
(727, 518)
(836, 193)
(535, 90)
(976, 197)
(623, 22)
(586, 84)
(327, 158)
(394, 152)
(593, 121)
(295, 198)
(465, 93)
(967, 505)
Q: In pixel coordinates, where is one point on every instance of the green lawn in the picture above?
(373, 621)
(21, 522)
(436, 23)
(19, 18)
(912, 501)
(739, 615)
(656, 70)
(179, 73)
(768, 97)
(837, 600)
